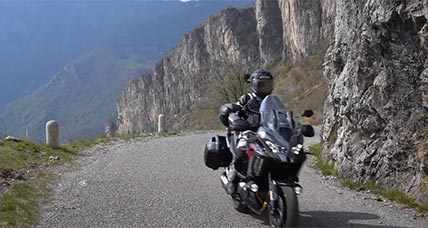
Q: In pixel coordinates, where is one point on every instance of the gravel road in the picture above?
(164, 183)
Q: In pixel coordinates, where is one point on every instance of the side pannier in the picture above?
(216, 153)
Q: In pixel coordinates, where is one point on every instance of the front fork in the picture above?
(274, 194)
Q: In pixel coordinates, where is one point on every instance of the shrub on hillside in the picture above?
(301, 86)
(227, 89)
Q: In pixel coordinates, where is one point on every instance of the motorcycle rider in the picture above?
(244, 115)
(245, 112)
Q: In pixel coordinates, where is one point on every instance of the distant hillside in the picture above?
(91, 48)
(80, 97)
(37, 38)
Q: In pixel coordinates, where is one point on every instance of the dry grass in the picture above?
(204, 115)
(302, 86)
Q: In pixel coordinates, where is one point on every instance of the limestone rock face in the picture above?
(375, 117)
(290, 30)
(328, 15)
(270, 30)
(302, 27)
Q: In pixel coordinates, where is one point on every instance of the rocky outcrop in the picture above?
(290, 30)
(375, 117)
(328, 15)
(302, 27)
(269, 28)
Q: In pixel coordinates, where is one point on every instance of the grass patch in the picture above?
(25, 154)
(328, 169)
(361, 186)
(301, 86)
(20, 205)
(390, 194)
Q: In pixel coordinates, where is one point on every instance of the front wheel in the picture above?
(285, 211)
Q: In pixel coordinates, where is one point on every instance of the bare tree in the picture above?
(229, 88)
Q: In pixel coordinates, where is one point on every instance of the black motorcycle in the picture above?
(264, 180)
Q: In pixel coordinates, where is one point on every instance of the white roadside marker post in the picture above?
(161, 124)
(52, 134)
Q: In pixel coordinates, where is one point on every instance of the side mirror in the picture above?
(247, 77)
(308, 131)
(308, 113)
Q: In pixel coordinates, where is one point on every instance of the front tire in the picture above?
(286, 211)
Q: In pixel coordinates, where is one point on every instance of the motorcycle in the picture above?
(264, 180)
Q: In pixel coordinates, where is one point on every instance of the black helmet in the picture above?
(261, 82)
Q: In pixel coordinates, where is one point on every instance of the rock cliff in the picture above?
(375, 124)
(302, 27)
(274, 31)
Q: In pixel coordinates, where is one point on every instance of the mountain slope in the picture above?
(114, 42)
(38, 38)
(78, 97)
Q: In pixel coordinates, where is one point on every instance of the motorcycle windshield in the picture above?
(275, 122)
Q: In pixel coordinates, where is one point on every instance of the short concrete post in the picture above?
(161, 123)
(52, 134)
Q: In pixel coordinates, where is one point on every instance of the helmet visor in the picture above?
(263, 87)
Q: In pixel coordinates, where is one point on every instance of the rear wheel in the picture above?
(285, 211)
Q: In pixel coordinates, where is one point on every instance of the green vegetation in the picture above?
(23, 154)
(390, 194)
(20, 205)
(26, 164)
(423, 187)
(329, 169)
(326, 168)
(333, 136)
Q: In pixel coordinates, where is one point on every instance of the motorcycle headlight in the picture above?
(297, 149)
(279, 151)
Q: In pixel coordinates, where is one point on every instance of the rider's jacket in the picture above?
(247, 109)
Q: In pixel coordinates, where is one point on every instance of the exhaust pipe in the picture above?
(224, 181)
